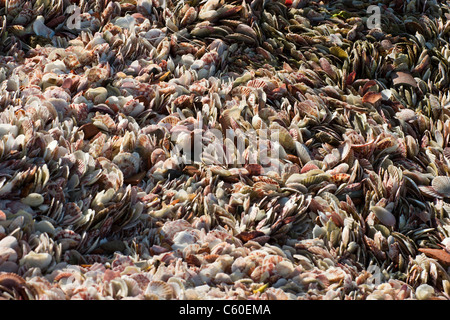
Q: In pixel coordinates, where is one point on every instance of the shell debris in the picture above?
(224, 150)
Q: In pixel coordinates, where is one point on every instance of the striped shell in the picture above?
(172, 120)
(159, 289)
(339, 52)
(442, 185)
(127, 162)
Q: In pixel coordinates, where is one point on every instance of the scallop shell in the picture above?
(302, 152)
(128, 163)
(158, 155)
(11, 280)
(160, 289)
(281, 134)
(442, 185)
(172, 120)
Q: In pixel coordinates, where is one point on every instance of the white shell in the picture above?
(442, 185)
(38, 260)
(424, 292)
(33, 200)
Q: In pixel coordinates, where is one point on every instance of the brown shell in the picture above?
(158, 155)
(90, 130)
(210, 258)
(254, 169)
(439, 254)
(340, 177)
(172, 120)
(11, 280)
(246, 236)
(265, 180)
(372, 97)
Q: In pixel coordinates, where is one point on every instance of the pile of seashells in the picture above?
(99, 99)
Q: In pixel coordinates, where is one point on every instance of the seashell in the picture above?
(9, 242)
(372, 97)
(403, 78)
(411, 146)
(281, 134)
(258, 123)
(340, 178)
(8, 128)
(308, 180)
(424, 292)
(441, 184)
(90, 130)
(339, 52)
(189, 17)
(158, 155)
(36, 260)
(8, 254)
(128, 163)
(33, 200)
(254, 169)
(439, 254)
(97, 95)
(241, 37)
(12, 281)
(249, 235)
(160, 289)
(45, 226)
(385, 216)
(302, 152)
(406, 115)
(40, 29)
(308, 167)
